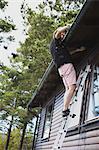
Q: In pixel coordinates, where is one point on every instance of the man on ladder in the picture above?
(74, 88)
(63, 62)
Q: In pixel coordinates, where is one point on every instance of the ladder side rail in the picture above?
(69, 117)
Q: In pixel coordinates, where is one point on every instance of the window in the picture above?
(47, 123)
(93, 110)
(77, 106)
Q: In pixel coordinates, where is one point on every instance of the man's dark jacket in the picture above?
(59, 52)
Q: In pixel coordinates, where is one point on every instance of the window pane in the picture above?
(93, 110)
(79, 97)
(47, 124)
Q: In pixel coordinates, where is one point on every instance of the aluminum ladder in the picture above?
(65, 122)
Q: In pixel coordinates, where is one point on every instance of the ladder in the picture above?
(65, 121)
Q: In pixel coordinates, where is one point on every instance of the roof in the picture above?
(83, 32)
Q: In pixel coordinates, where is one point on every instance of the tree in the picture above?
(11, 102)
(7, 97)
(63, 11)
(2, 141)
(9, 133)
(25, 120)
(3, 3)
(6, 25)
(14, 139)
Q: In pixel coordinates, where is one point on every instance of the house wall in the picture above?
(81, 136)
(85, 141)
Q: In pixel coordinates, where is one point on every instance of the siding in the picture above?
(82, 141)
(56, 119)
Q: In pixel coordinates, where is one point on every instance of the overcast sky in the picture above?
(13, 10)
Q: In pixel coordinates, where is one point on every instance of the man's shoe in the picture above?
(65, 113)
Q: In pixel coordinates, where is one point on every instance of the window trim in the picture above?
(93, 123)
(90, 93)
(47, 106)
(90, 125)
(82, 71)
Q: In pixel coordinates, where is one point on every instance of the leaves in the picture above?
(5, 26)
(3, 3)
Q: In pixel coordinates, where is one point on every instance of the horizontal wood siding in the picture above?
(82, 141)
(56, 120)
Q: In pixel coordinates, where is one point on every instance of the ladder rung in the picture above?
(62, 131)
(57, 147)
(73, 115)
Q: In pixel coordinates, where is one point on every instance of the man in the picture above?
(63, 62)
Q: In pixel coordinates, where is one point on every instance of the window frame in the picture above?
(47, 106)
(88, 101)
(76, 126)
(93, 123)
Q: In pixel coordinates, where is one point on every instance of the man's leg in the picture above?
(68, 74)
(68, 96)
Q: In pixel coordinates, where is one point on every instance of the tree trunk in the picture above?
(22, 137)
(9, 133)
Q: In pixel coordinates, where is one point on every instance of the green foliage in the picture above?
(14, 139)
(5, 26)
(14, 97)
(3, 3)
(27, 141)
(13, 87)
(34, 53)
(2, 141)
(62, 11)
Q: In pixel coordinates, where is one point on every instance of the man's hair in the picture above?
(67, 28)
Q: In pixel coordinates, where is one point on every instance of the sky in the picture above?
(13, 10)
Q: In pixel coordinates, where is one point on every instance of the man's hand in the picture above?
(57, 33)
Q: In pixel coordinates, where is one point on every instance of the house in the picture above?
(83, 131)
